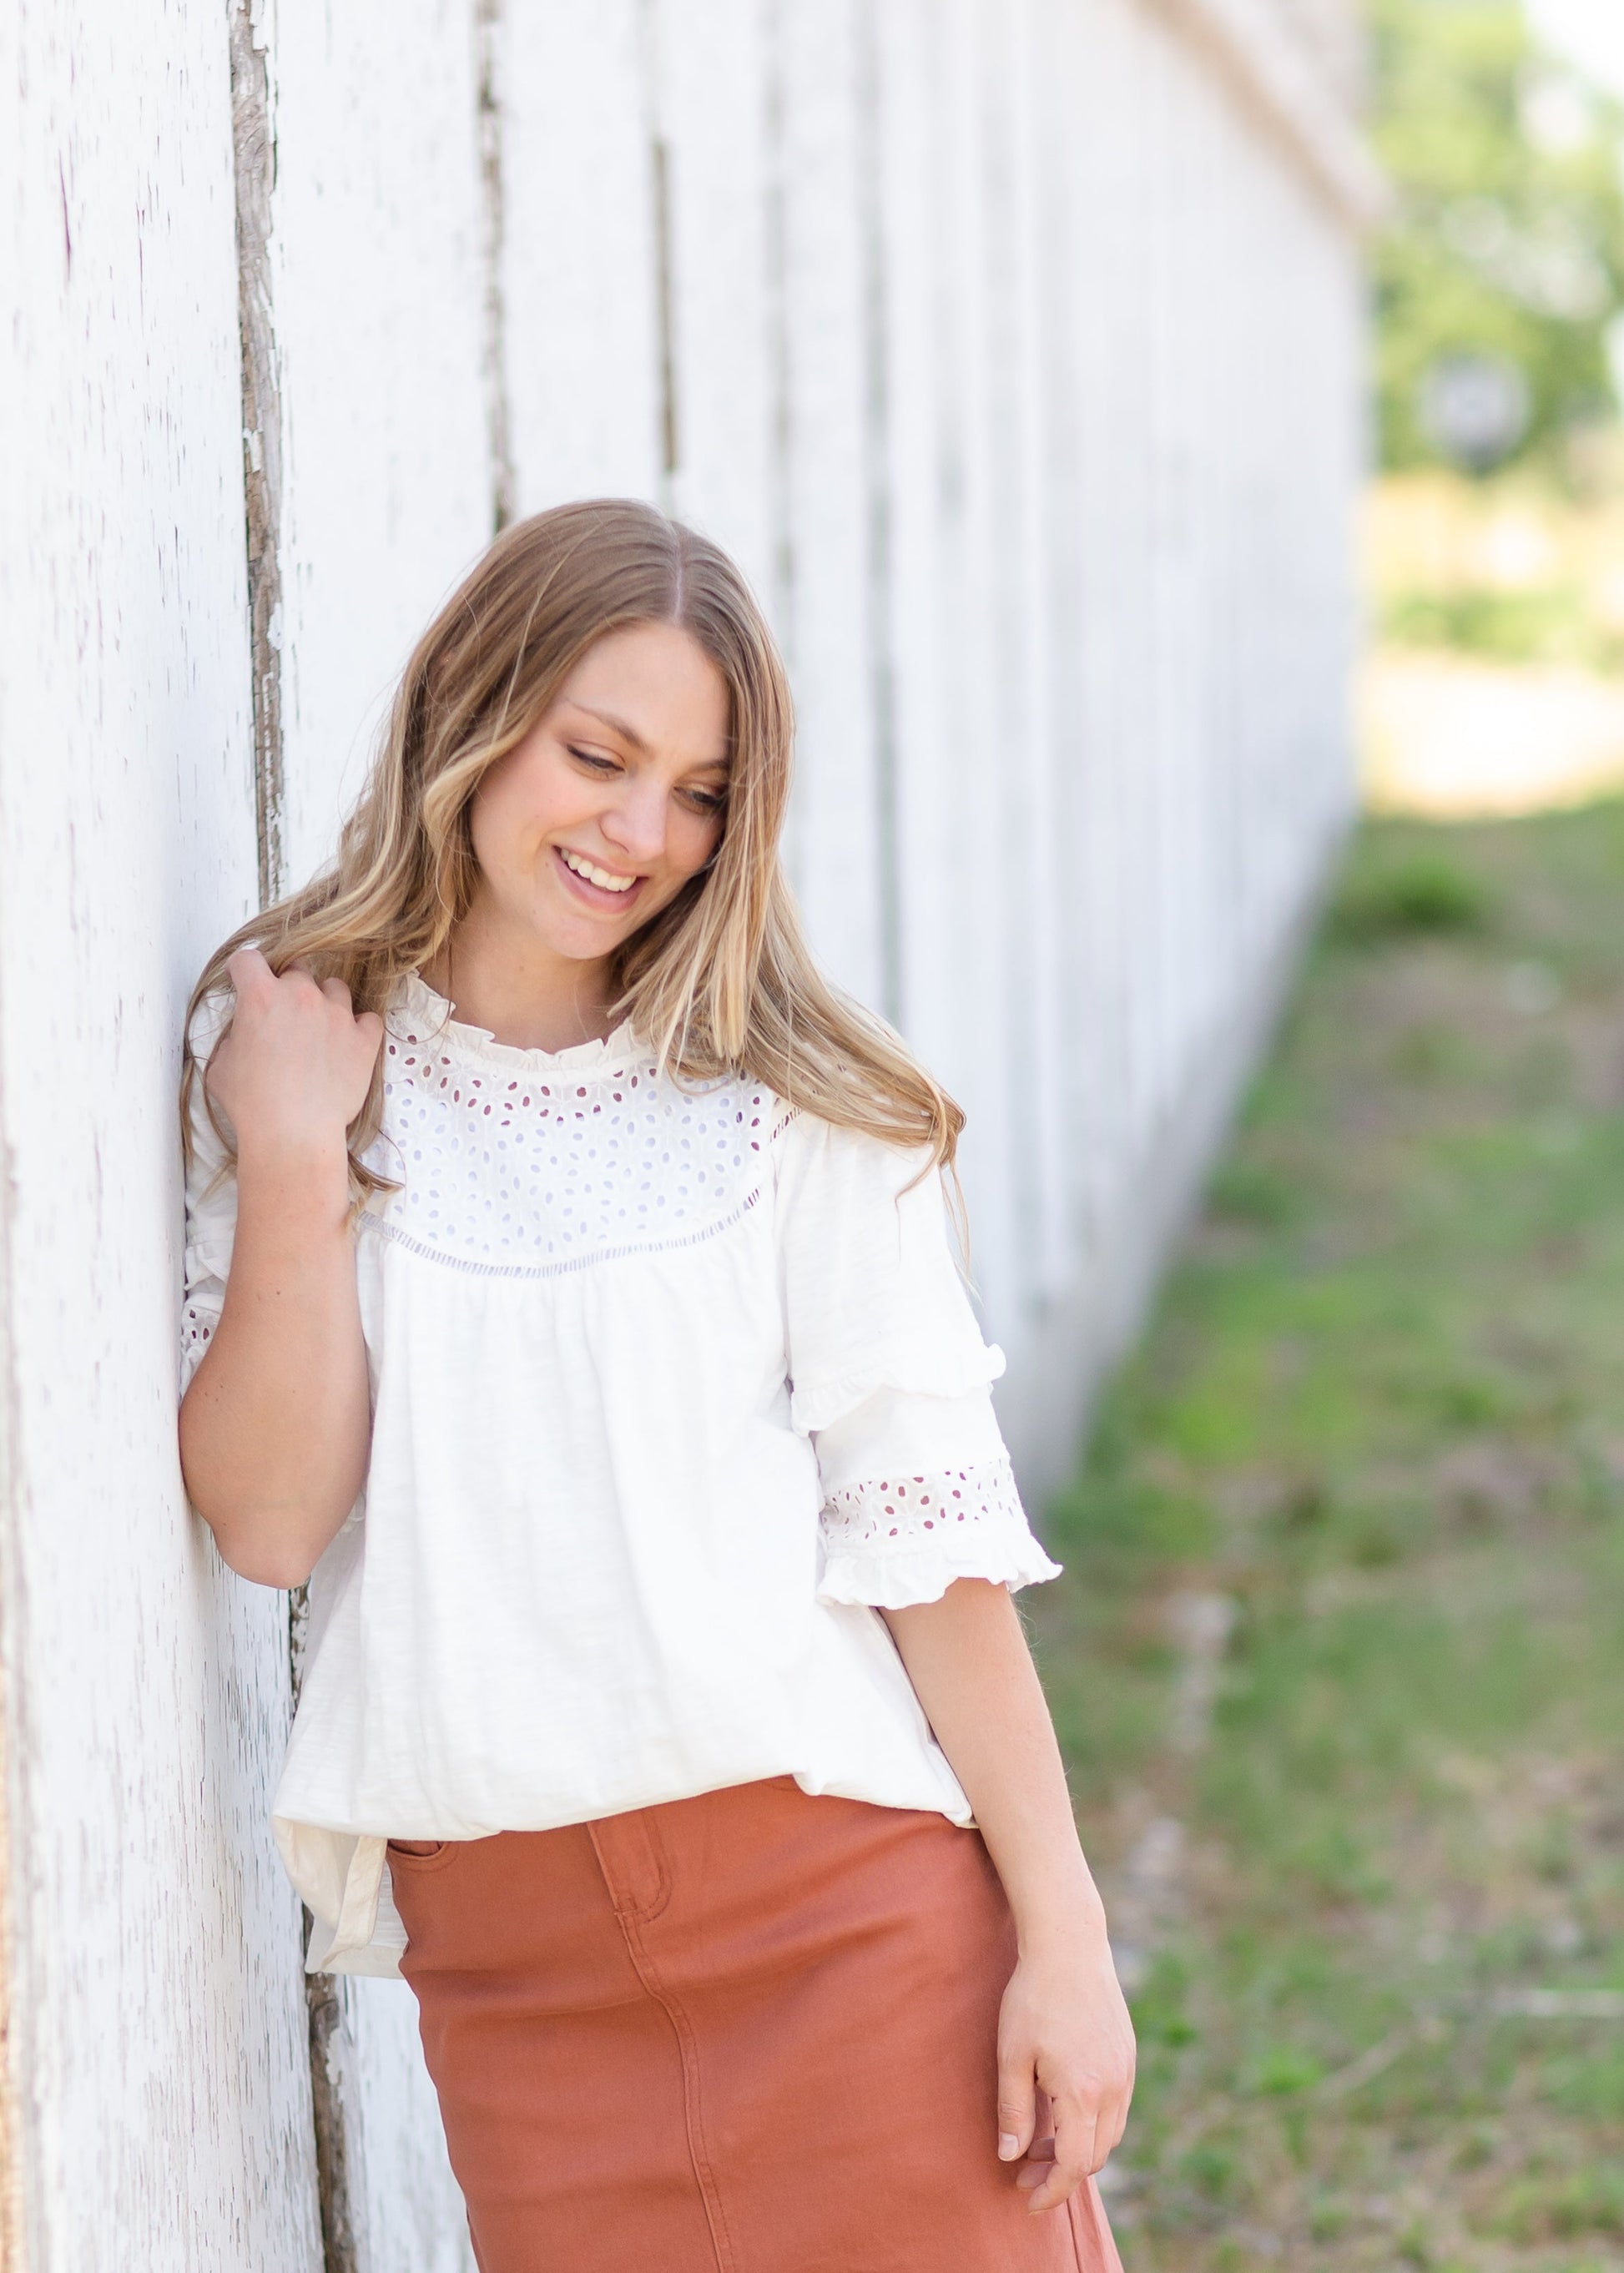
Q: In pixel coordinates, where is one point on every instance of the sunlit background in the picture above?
(1338, 1658)
(1495, 531)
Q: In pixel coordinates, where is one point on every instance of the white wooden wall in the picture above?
(1014, 347)
(158, 2085)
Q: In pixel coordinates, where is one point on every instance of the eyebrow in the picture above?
(630, 734)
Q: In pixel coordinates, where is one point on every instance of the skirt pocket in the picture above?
(418, 1854)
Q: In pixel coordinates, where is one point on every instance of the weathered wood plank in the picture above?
(378, 290)
(960, 987)
(1204, 342)
(910, 474)
(158, 2021)
(710, 111)
(581, 253)
(394, 465)
(833, 640)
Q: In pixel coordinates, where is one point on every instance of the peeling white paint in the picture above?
(159, 2073)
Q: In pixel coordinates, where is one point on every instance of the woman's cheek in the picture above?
(707, 844)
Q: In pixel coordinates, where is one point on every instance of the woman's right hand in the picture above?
(275, 1427)
(294, 1068)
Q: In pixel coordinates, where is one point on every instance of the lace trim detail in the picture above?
(901, 1540)
(417, 1003)
(197, 1321)
(901, 1511)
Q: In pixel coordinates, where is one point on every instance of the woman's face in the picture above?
(598, 819)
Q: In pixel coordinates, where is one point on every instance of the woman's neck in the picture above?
(519, 991)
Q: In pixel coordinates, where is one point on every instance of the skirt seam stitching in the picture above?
(699, 2156)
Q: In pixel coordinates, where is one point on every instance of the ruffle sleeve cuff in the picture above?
(899, 1541)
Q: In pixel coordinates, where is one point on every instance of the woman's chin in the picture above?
(580, 936)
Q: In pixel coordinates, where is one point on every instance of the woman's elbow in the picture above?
(256, 1546)
(274, 1539)
(264, 1561)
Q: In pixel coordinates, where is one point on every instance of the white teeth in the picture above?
(601, 877)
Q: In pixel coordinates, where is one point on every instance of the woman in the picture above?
(570, 1298)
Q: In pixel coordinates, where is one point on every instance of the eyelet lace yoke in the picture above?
(529, 1160)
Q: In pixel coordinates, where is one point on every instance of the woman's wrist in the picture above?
(303, 1180)
(1064, 1914)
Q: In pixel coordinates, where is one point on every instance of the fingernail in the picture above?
(1009, 2146)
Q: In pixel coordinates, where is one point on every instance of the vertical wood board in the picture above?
(379, 296)
(710, 114)
(828, 442)
(381, 302)
(156, 2007)
(581, 257)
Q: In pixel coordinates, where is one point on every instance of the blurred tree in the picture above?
(1506, 237)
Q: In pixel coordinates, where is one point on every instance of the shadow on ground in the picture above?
(1338, 1659)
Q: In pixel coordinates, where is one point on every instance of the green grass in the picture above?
(1381, 1408)
(1552, 624)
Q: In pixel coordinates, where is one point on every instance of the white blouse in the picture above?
(671, 1387)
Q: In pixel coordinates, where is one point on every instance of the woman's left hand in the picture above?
(1065, 2037)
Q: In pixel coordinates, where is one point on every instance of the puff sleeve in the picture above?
(890, 1379)
(211, 1205)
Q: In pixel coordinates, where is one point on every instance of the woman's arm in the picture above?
(275, 1428)
(1063, 2029)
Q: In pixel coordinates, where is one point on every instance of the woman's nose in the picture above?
(636, 824)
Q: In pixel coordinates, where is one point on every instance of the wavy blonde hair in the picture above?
(721, 981)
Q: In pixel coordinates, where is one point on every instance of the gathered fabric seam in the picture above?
(624, 1252)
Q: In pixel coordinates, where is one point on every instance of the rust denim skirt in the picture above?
(751, 2032)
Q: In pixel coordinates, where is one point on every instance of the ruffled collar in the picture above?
(421, 1014)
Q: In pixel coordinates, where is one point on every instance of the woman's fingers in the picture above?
(1112, 2132)
(1076, 2134)
(297, 1067)
(251, 977)
(1017, 2104)
(249, 971)
(1039, 2163)
(1087, 2131)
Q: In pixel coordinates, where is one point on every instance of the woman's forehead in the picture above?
(654, 687)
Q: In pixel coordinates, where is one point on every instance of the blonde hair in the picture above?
(721, 981)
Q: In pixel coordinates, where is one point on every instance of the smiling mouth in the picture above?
(604, 883)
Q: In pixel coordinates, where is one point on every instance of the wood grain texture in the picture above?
(158, 2019)
(381, 241)
(405, 2208)
(832, 633)
(1206, 347)
(710, 110)
(379, 235)
(579, 257)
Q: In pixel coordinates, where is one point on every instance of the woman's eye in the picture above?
(707, 800)
(599, 765)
